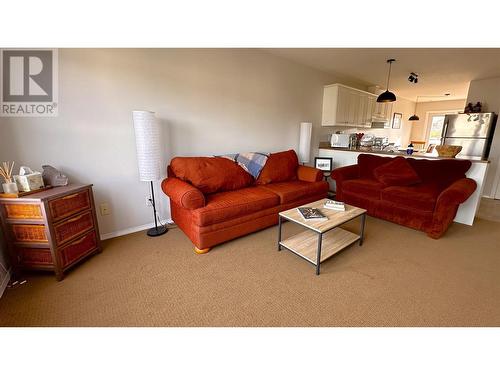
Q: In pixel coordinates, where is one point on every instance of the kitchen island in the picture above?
(466, 212)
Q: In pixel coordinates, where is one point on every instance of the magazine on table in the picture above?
(334, 205)
(311, 214)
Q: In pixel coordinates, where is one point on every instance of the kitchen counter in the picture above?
(466, 211)
(326, 146)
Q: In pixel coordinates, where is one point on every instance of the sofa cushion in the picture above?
(210, 175)
(280, 166)
(398, 172)
(367, 164)
(369, 188)
(227, 205)
(291, 191)
(442, 171)
(419, 197)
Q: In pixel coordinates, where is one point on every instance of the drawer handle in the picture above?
(75, 218)
(78, 241)
(70, 196)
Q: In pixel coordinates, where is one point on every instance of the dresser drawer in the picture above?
(29, 233)
(78, 248)
(28, 256)
(73, 227)
(22, 211)
(69, 205)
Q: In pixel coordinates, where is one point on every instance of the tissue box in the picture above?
(29, 182)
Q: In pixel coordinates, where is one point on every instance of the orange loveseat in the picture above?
(213, 199)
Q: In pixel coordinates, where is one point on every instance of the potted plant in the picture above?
(6, 172)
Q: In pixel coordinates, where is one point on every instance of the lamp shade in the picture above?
(413, 118)
(305, 141)
(147, 140)
(386, 97)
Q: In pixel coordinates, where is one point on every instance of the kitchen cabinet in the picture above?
(382, 112)
(347, 106)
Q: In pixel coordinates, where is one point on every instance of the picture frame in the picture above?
(396, 120)
(324, 164)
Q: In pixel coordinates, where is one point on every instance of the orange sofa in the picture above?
(213, 199)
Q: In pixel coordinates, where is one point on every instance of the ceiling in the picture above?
(440, 70)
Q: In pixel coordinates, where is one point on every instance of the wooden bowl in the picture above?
(448, 151)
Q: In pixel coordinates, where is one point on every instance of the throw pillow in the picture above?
(397, 172)
(280, 166)
(210, 175)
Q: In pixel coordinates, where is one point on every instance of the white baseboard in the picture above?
(5, 281)
(123, 232)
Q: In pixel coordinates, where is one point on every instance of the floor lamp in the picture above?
(305, 142)
(147, 140)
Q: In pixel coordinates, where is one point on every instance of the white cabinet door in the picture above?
(343, 104)
(369, 111)
(362, 108)
(382, 111)
(354, 99)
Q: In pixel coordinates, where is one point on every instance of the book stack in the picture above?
(334, 205)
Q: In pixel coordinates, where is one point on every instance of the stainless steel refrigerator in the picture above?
(472, 131)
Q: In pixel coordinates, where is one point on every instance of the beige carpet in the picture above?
(399, 277)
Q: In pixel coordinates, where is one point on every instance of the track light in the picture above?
(413, 78)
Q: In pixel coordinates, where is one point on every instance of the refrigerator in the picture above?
(472, 131)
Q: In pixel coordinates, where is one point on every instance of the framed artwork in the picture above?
(324, 164)
(396, 120)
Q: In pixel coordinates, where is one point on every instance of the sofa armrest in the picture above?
(182, 193)
(447, 205)
(457, 193)
(309, 174)
(342, 174)
(349, 172)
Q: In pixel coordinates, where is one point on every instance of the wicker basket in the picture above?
(448, 151)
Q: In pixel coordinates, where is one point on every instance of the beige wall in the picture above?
(419, 128)
(209, 102)
(487, 91)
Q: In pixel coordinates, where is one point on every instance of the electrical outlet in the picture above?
(148, 201)
(105, 210)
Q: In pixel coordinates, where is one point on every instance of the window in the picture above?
(436, 128)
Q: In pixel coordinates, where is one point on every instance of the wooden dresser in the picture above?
(51, 230)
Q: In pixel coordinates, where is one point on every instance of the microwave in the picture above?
(340, 140)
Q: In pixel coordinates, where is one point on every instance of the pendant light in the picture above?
(387, 96)
(414, 117)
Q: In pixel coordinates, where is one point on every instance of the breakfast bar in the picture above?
(466, 212)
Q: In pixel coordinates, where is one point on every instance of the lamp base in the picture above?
(155, 232)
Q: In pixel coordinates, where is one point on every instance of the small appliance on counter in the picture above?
(340, 140)
(380, 143)
(367, 141)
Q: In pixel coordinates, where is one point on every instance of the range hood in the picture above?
(379, 123)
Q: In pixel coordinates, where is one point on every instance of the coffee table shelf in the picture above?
(304, 244)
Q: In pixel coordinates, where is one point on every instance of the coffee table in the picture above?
(322, 239)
